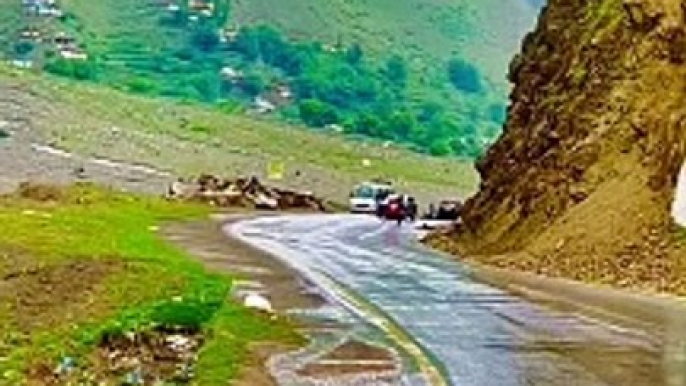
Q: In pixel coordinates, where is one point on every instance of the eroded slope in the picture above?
(582, 179)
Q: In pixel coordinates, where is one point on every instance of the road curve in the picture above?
(482, 336)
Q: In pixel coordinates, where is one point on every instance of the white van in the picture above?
(363, 198)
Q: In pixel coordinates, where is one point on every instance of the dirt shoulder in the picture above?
(253, 269)
(258, 272)
(635, 309)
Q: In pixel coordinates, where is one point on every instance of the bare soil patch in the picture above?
(41, 296)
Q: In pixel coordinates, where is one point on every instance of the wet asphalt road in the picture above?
(481, 335)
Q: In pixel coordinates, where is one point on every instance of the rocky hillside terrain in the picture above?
(581, 182)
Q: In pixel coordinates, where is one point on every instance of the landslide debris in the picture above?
(581, 182)
(244, 193)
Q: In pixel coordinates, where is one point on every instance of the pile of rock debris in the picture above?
(244, 193)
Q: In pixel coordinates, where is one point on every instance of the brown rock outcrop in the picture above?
(594, 140)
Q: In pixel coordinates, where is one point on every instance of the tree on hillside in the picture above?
(81, 70)
(317, 113)
(23, 48)
(497, 113)
(403, 126)
(430, 111)
(396, 71)
(354, 54)
(266, 44)
(464, 76)
(247, 44)
(253, 84)
(207, 86)
(368, 124)
(271, 46)
(205, 38)
(440, 147)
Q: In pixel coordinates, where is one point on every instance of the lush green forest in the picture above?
(194, 51)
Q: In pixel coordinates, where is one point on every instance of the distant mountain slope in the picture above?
(487, 32)
(427, 74)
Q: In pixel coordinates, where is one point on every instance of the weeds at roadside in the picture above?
(157, 288)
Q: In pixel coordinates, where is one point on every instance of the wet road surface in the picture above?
(481, 335)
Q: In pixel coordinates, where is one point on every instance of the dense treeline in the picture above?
(340, 86)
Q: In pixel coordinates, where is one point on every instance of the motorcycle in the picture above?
(395, 210)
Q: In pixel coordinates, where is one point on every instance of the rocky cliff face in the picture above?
(580, 183)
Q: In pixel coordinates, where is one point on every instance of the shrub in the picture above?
(317, 113)
(497, 113)
(189, 314)
(205, 38)
(23, 48)
(80, 70)
(141, 86)
(464, 76)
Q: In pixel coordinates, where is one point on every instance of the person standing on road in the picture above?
(432, 211)
(411, 209)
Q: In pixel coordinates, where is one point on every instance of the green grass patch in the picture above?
(156, 285)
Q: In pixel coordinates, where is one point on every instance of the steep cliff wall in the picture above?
(581, 182)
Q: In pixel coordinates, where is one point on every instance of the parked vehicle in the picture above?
(445, 214)
(449, 210)
(368, 197)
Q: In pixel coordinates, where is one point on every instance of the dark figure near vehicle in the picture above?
(432, 211)
(411, 209)
(380, 199)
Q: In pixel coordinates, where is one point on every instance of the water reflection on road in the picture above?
(482, 335)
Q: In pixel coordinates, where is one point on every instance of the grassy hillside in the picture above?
(109, 123)
(425, 74)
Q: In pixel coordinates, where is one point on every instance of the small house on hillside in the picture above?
(278, 97)
(45, 8)
(229, 34)
(72, 53)
(170, 5)
(205, 7)
(50, 12)
(30, 33)
(263, 106)
(284, 92)
(331, 48)
(231, 74)
(23, 63)
(64, 41)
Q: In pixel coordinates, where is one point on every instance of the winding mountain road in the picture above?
(479, 335)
